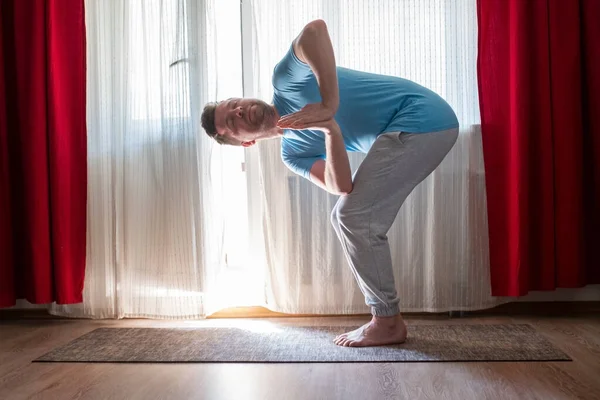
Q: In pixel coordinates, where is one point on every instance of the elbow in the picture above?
(344, 191)
(317, 25)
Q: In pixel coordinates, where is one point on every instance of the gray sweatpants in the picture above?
(394, 166)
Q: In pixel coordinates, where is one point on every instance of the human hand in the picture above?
(309, 114)
(328, 126)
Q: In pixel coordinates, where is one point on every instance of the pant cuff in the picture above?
(388, 311)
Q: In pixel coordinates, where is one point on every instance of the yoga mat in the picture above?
(292, 344)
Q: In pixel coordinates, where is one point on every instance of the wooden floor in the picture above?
(21, 341)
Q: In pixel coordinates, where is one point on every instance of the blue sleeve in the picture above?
(299, 165)
(290, 73)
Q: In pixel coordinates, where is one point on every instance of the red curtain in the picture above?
(43, 174)
(539, 88)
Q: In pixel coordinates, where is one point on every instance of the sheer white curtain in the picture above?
(157, 209)
(178, 228)
(439, 240)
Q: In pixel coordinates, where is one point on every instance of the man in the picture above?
(321, 111)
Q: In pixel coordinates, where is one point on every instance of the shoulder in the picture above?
(289, 154)
(289, 149)
(316, 27)
(295, 147)
(290, 72)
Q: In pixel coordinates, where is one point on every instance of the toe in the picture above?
(340, 337)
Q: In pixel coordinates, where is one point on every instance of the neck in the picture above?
(272, 133)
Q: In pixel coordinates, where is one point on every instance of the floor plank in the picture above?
(21, 341)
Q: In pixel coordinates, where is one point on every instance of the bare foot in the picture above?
(379, 331)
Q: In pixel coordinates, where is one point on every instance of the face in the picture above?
(244, 120)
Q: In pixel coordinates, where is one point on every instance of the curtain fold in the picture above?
(439, 241)
(43, 148)
(538, 83)
(155, 235)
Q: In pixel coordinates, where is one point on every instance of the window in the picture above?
(229, 160)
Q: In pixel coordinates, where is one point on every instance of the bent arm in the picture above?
(333, 174)
(313, 47)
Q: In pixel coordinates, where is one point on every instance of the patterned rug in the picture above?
(294, 344)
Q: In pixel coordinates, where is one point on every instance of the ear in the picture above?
(248, 144)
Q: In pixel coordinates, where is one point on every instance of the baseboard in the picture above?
(24, 313)
(554, 308)
(262, 312)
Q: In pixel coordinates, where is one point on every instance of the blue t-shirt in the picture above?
(370, 105)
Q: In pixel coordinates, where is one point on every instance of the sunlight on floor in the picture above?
(248, 325)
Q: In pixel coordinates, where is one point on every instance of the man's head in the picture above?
(240, 122)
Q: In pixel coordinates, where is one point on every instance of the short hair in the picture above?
(208, 123)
